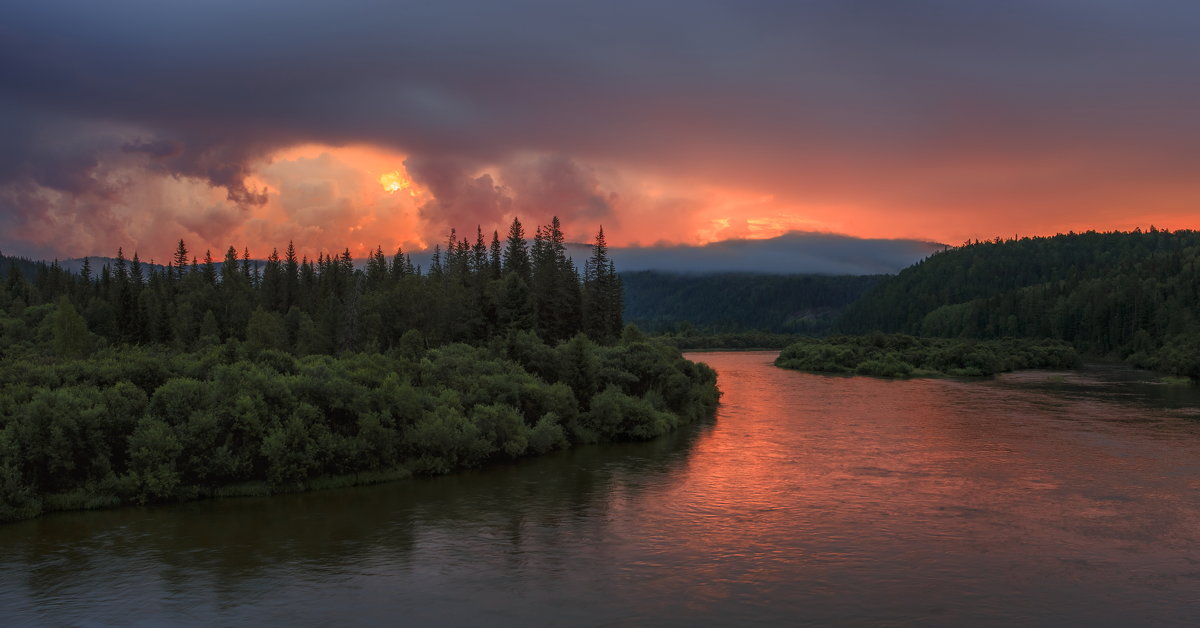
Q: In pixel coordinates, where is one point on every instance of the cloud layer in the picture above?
(136, 123)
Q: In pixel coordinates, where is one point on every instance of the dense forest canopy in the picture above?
(471, 291)
(739, 302)
(132, 383)
(901, 355)
(1131, 295)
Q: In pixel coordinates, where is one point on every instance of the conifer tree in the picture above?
(272, 283)
(135, 271)
(70, 332)
(479, 252)
(516, 252)
(209, 272)
(401, 265)
(121, 266)
(291, 271)
(495, 260)
(555, 290)
(181, 259)
(601, 301)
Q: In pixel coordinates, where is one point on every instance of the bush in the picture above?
(133, 425)
(901, 355)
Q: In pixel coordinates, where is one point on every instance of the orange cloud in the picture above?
(326, 198)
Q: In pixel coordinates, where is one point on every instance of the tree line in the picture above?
(901, 355)
(470, 292)
(1130, 295)
(140, 383)
(735, 303)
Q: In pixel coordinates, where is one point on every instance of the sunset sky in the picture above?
(386, 123)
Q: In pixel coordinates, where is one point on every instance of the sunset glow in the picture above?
(394, 182)
(739, 133)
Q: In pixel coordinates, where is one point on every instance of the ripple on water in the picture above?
(1034, 498)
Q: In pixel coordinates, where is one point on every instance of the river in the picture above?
(1031, 499)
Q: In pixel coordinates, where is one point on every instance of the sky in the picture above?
(673, 124)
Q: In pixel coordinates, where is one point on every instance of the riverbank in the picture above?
(900, 355)
(741, 341)
(138, 425)
(984, 488)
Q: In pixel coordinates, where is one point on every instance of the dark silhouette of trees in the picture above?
(1131, 295)
(215, 376)
(603, 300)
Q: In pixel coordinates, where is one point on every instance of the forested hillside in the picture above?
(128, 384)
(471, 291)
(14, 268)
(1134, 296)
(734, 302)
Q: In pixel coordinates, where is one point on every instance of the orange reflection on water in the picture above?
(809, 482)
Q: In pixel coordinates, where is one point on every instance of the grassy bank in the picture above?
(739, 341)
(900, 355)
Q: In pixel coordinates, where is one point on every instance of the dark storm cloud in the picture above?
(873, 101)
(460, 198)
(556, 184)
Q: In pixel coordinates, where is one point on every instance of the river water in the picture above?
(1032, 499)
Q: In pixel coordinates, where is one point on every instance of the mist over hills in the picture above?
(794, 253)
(797, 252)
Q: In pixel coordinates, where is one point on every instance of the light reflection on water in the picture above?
(1034, 498)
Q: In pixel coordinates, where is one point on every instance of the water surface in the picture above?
(1031, 499)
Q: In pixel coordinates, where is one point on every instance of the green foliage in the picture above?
(71, 336)
(217, 379)
(502, 427)
(470, 294)
(1134, 296)
(153, 451)
(692, 340)
(737, 303)
(444, 439)
(615, 415)
(131, 425)
(899, 355)
(17, 500)
(266, 330)
(603, 298)
(547, 435)
(293, 449)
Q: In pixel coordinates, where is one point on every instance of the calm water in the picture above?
(1031, 499)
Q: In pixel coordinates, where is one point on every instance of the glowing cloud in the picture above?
(393, 182)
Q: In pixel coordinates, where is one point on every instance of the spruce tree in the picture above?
(516, 252)
(135, 271)
(181, 259)
(479, 253)
(209, 272)
(495, 260)
(598, 279)
(291, 272)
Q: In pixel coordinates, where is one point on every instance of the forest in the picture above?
(1133, 296)
(901, 355)
(731, 303)
(137, 383)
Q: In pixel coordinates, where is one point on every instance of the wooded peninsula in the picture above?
(140, 384)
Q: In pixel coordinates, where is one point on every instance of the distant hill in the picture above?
(727, 302)
(26, 267)
(74, 265)
(1132, 295)
(794, 253)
